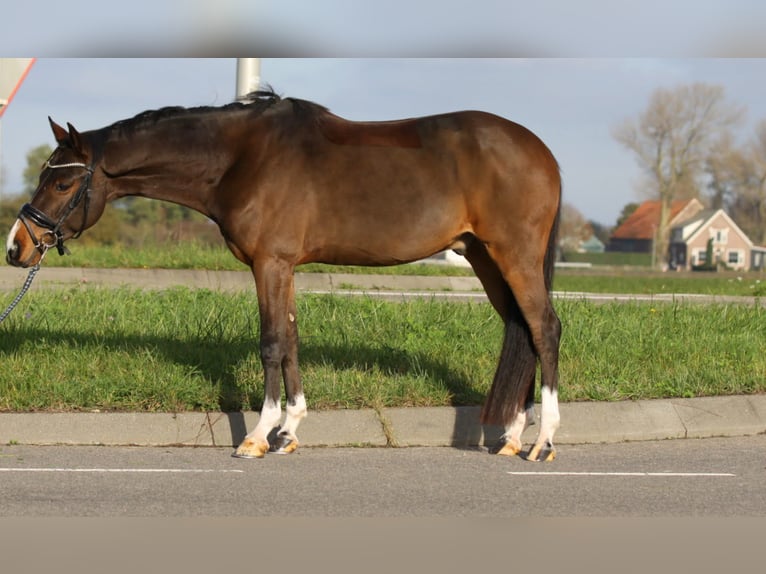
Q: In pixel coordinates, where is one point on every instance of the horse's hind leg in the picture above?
(279, 356)
(517, 362)
(528, 287)
(532, 333)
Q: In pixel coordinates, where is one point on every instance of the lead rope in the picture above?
(24, 289)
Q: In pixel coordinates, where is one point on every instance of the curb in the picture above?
(582, 423)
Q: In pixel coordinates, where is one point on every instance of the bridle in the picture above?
(29, 213)
(53, 235)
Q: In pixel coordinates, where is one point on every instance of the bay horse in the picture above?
(288, 182)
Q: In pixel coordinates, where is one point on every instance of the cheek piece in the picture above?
(54, 236)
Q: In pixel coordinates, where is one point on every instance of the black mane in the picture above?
(257, 101)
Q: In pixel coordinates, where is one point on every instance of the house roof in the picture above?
(710, 215)
(643, 221)
(700, 219)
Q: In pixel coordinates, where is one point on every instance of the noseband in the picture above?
(29, 213)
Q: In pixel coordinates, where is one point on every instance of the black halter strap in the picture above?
(29, 213)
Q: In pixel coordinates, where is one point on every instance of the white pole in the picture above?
(248, 76)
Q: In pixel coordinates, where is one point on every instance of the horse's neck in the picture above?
(185, 176)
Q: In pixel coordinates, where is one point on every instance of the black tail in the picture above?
(513, 385)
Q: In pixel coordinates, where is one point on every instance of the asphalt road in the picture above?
(723, 477)
(684, 505)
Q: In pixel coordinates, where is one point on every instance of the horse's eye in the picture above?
(62, 186)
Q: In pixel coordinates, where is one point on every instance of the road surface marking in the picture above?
(679, 474)
(124, 470)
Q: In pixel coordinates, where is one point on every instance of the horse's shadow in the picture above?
(218, 362)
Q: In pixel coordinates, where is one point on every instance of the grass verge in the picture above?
(87, 348)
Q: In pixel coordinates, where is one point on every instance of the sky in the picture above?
(573, 104)
(340, 28)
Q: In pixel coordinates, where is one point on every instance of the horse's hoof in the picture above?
(283, 444)
(541, 453)
(506, 447)
(251, 449)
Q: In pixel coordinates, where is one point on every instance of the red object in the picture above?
(5, 102)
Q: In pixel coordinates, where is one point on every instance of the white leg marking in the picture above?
(514, 430)
(295, 414)
(549, 415)
(270, 415)
(12, 236)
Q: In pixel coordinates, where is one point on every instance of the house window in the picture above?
(733, 258)
(721, 235)
(701, 257)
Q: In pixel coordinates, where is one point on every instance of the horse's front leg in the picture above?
(279, 356)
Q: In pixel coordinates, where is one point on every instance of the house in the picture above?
(730, 246)
(591, 245)
(637, 233)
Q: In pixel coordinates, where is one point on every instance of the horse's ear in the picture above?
(74, 138)
(59, 133)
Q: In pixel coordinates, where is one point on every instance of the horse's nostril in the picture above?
(13, 252)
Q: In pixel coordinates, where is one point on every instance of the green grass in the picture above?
(647, 283)
(611, 258)
(87, 348)
(642, 351)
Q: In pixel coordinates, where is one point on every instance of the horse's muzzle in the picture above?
(20, 251)
(12, 247)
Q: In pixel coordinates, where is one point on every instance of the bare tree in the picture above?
(573, 228)
(727, 167)
(748, 207)
(672, 139)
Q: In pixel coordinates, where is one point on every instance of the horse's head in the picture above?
(63, 204)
